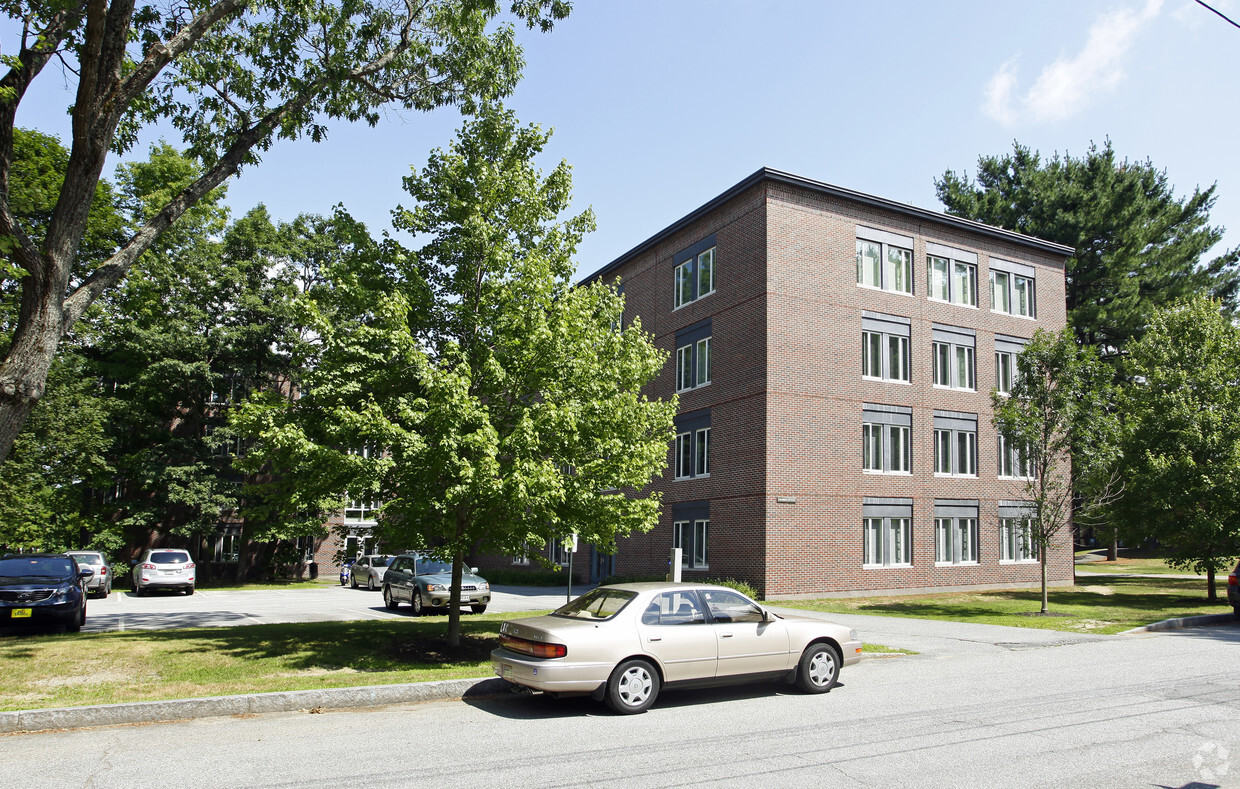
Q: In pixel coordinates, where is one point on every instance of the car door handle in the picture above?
(725, 635)
(656, 638)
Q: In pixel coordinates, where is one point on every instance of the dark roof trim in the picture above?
(778, 176)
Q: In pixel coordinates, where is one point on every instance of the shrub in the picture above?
(740, 586)
(507, 577)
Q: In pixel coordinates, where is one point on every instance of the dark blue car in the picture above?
(43, 589)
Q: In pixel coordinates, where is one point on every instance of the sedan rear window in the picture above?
(169, 557)
(87, 558)
(601, 603)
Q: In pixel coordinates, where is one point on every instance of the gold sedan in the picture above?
(621, 644)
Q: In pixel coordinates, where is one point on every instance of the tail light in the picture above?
(1232, 580)
(148, 566)
(103, 571)
(189, 566)
(533, 648)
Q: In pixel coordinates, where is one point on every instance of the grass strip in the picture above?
(44, 671)
(1094, 605)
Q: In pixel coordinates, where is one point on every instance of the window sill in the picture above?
(885, 566)
(886, 290)
(902, 381)
(956, 564)
(692, 388)
(1018, 561)
(686, 479)
(954, 476)
(952, 388)
(694, 301)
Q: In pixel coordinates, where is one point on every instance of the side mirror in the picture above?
(85, 572)
(133, 562)
(473, 570)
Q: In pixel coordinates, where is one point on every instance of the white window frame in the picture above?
(692, 537)
(947, 289)
(955, 541)
(1005, 371)
(885, 448)
(1014, 461)
(692, 450)
(955, 453)
(1013, 290)
(892, 352)
(693, 365)
(947, 358)
(687, 278)
(886, 542)
(894, 252)
(1016, 543)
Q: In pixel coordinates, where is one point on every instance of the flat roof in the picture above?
(778, 176)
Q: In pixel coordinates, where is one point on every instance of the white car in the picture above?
(100, 584)
(621, 644)
(164, 568)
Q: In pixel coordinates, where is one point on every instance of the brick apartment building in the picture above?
(834, 354)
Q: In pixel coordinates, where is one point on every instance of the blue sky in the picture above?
(660, 105)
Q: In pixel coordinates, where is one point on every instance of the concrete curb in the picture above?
(247, 704)
(1183, 622)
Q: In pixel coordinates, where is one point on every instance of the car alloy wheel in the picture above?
(819, 668)
(370, 583)
(417, 603)
(632, 687)
(389, 601)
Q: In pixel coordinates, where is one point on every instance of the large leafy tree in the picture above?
(1137, 245)
(503, 404)
(232, 77)
(1060, 400)
(1182, 437)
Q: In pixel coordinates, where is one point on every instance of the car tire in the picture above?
(389, 602)
(189, 591)
(416, 602)
(819, 668)
(478, 609)
(352, 580)
(370, 583)
(632, 687)
(104, 592)
(138, 590)
(76, 625)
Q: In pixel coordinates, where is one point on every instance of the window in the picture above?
(691, 533)
(955, 531)
(884, 260)
(886, 439)
(953, 357)
(692, 446)
(693, 356)
(1014, 461)
(694, 273)
(228, 546)
(674, 608)
(955, 444)
(884, 347)
(1016, 533)
(1012, 288)
(360, 511)
(887, 532)
(951, 274)
(1006, 351)
(728, 607)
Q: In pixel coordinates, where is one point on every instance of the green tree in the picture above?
(1059, 401)
(1137, 246)
(1182, 437)
(232, 77)
(504, 404)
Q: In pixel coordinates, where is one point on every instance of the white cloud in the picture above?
(1068, 85)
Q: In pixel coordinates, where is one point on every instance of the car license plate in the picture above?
(507, 669)
(20, 613)
(170, 572)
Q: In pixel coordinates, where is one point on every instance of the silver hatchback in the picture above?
(100, 584)
(164, 568)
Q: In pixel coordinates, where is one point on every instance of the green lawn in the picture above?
(1094, 605)
(39, 671)
(1140, 565)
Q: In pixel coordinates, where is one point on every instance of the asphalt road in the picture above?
(207, 608)
(979, 707)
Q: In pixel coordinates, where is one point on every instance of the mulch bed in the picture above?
(472, 649)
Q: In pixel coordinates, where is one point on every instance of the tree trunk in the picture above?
(1113, 548)
(1211, 593)
(1045, 597)
(454, 599)
(24, 369)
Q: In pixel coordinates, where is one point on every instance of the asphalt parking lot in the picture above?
(122, 610)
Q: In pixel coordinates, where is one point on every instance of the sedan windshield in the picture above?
(37, 567)
(601, 603)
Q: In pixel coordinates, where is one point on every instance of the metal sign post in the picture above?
(570, 544)
(674, 565)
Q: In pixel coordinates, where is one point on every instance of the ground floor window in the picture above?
(1016, 542)
(955, 540)
(228, 547)
(888, 541)
(692, 537)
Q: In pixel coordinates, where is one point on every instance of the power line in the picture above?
(1220, 13)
